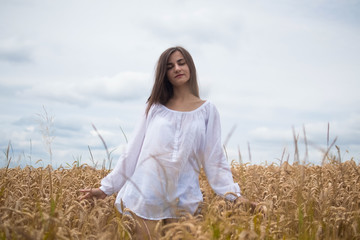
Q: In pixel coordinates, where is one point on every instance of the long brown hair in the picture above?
(162, 90)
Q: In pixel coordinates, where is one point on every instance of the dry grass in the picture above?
(302, 202)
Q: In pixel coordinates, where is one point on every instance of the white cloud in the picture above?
(271, 135)
(267, 66)
(121, 87)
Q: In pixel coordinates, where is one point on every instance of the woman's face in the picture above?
(178, 71)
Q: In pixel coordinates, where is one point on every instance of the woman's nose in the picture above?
(177, 67)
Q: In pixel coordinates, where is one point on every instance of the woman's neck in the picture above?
(182, 93)
(184, 100)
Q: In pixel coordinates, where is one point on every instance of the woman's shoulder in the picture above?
(199, 102)
(153, 109)
(210, 106)
(207, 109)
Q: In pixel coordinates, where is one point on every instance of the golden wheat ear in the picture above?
(296, 201)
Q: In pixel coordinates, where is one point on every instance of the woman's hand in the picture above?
(92, 192)
(245, 202)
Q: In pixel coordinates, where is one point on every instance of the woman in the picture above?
(158, 176)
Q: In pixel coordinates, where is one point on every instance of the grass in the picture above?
(301, 202)
(298, 201)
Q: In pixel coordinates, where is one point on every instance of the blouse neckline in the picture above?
(192, 111)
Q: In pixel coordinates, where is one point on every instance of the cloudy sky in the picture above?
(272, 68)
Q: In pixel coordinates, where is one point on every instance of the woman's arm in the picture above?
(126, 164)
(217, 168)
(214, 162)
(124, 168)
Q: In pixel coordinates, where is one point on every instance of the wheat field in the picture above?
(297, 201)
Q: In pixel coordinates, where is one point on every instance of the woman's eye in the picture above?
(169, 67)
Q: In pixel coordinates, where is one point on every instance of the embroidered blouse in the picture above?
(159, 172)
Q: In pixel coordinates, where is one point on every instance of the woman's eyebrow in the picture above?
(179, 60)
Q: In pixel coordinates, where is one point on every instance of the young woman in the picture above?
(158, 176)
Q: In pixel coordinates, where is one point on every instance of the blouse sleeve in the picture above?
(216, 167)
(126, 164)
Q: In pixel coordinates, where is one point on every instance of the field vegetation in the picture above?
(297, 201)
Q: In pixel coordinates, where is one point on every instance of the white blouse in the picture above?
(158, 175)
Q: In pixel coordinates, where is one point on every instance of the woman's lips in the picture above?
(179, 75)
